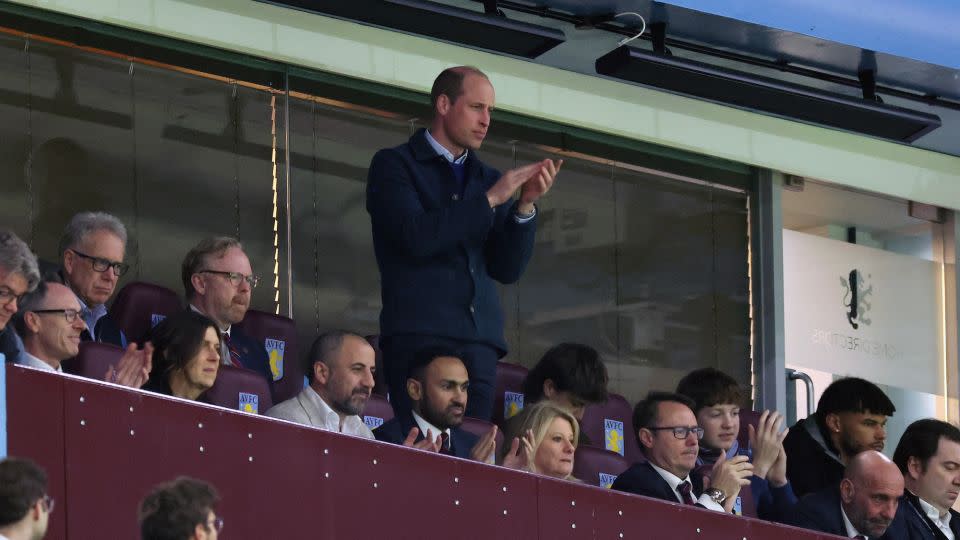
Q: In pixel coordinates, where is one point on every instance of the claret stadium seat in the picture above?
(598, 467)
(140, 306)
(278, 334)
(508, 391)
(93, 360)
(610, 425)
(377, 411)
(239, 389)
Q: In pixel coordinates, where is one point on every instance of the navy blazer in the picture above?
(642, 479)
(820, 511)
(253, 354)
(107, 331)
(912, 524)
(439, 248)
(395, 431)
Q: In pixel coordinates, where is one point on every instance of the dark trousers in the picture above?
(479, 359)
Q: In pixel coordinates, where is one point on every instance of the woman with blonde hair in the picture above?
(544, 443)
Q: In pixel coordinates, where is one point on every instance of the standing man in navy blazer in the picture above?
(669, 438)
(445, 227)
(218, 282)
(437, 388)
(862, 506)
(928, 455)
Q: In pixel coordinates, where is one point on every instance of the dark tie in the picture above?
(445, 444)
(685, 490)
(233, 355)
(860, 537)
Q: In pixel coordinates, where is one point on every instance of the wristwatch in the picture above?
(717, 495)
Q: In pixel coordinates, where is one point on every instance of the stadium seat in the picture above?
(279, 335)
(377, 411)
(479, 428)
(379, 376)
(610, 426)
(598, 467)
(240, 389)
(508, 396)
(93, 360)
(747, 418)
(140, 306)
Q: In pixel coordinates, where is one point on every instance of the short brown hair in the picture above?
(450, 83)
(22, 484)
(708, 387)
(174, 509)
(198, 257)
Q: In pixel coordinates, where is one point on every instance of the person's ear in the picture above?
(199, 532)
(414, 389)
(443, 104)
(914, 467)
(645, 436)
(832, 421)
(549, 389)
(847, 490)
(199, 285)
(32, 322)
(69, 259)
(321, 372)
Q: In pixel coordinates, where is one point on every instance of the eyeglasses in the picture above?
(7, 295)
(69, 314)
(216, 523)
(48, 503)
(681, 432)
(101, 265)
(235, 277)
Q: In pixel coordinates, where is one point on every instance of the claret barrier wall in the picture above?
(104, 447)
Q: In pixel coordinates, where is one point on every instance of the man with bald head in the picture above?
(862, 506)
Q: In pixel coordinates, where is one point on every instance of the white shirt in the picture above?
(424, 426)
(308, 408)
(941, 521)
(852, 531)
(674, 481)
(29, 360)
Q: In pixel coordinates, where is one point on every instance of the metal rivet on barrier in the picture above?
(81, 399)
(573, 525)
(249, 435)
(83, 422)
(456, 479)
(374, 461)
(201, 449)
(200, 425)
(131, 409)
(131, 433)
(326, 475)
(619, 512)
(457, 503)
(326, 451)
(698, 530)
(573, 503)
(250, 459)
(504, 512)
(504, 489)
(621, 535)
(375, 484)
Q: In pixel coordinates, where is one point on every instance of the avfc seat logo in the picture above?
(275, 352)
(613, 435)
(249, 403)
(606, 480)
(373, 422)
(512, 404)
(156, 318)
(856, 295)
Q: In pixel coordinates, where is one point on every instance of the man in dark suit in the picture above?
(445, 227)
(851, 417)
(218, 282)
(669, 439)
(928, 455)
(862, 506)
(437, 387)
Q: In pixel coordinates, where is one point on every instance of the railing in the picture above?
(104, 446)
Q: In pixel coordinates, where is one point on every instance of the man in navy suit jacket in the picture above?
(444, 229)
(218, 282)
(669, 438)
(863, 505)
(437, 387)
(928, 455)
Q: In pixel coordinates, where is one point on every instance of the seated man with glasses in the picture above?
(19, 275)
(218, 282)
(181, 509)
(50, 322)
(24, 505)
(92, 249)
(670, 440)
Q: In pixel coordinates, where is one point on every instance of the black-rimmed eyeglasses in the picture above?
(681, 432)
(69, 314)
(48, 503)
(6, 295)
(216, 523)
(235, 278)
(102, 265)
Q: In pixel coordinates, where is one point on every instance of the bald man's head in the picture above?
(870, 490)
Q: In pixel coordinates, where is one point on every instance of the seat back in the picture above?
(379, 376)
(480, 428)
(278, 334)
(598, 467)
(377, 411)
(747, 418)
(610, 425)
(139, 306)
(508, 394)
(93, 360)
(240, 389)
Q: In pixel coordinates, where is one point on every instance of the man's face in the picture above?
(201, 371)
(51, 337)
(216, 295)
(871, 503)
(347, 382)
(663, 449)
(861, 431)
(939, 482)
(721, 424)
(93, 287)
(465, 120)
(443, 395)
(12, 286)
